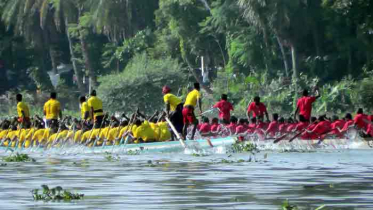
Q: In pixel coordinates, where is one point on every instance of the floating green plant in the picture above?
(133, 152)
(199, 155)
(110, 157)
(244, 147)
(287, 206)
(55, 194)
(18, 158)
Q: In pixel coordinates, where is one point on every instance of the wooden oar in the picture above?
(300, 133)
(325, 133)
(128, 129)
(176, 133)
(280, 138)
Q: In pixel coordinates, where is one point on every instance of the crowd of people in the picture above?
(95, 127)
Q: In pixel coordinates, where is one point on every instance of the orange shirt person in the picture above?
(192, 100)
(52, 110)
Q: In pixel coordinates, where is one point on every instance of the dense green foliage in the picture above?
(128, 49)
(140, 84)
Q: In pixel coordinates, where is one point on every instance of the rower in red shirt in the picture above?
(303, 123)
(257, 109)
(304, 105)
(308, 133)
(241, 128)
(273, 127)
(224, 108)
(283, 126)
(337, 126)
(361, 120)
(205, 127)
(233, 125)
(291, 125)
(322, 128)
(215, 125)
(349, 123)
(252, 126)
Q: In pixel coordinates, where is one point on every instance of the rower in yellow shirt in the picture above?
(164, 131)
(23, 112)
(174, 109)
(95, 106)
(192, 100)
(144, 132)
(52, 110)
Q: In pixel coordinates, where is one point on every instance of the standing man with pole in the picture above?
(52, 110)
(224, 108)
(23, 112)
(258, 109)
(192, 100)
(174, 109)
(304, 105)
(95, 106)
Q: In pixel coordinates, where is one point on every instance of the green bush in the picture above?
(140, 84)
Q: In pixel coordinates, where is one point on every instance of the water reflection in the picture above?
(339, 179)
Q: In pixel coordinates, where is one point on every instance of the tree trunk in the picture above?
(284, 58)
(79, 80)
(52, 54)
(191, 69)
(294, 62)
(295, 72)
(350, 60)
(88, 64)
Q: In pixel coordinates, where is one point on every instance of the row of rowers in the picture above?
(181, 114)
(318, 127)
(94, 125)
(110, 133)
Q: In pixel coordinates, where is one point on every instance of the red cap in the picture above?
(166, 89)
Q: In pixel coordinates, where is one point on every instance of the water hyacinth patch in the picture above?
(18, 158)
(55, 194)
(239, 147)
(110, 157)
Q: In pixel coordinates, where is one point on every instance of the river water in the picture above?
(339, 179)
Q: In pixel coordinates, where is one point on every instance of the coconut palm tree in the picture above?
(22, 16)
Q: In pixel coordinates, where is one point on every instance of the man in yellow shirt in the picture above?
(192, 100)
(52, 110)
(23, 112)
(84, 108)
(95, 106)
(174, 109)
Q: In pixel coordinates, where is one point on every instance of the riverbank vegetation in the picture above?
(127, 49)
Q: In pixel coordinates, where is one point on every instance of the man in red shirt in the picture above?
(349, 123)
(224, 108)
(322, 128)
(361, 120)
(205, 127)
(215, 125)
(258, 109)
(304, 105)
(252, 126)
(233, 125)
(337, 126)
(273, 127)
